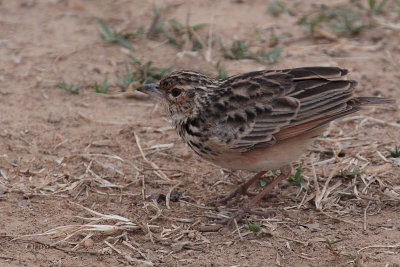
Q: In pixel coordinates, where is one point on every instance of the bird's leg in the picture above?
(285, 172)
(242, 190)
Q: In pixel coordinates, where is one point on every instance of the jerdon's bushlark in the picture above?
(256, 121)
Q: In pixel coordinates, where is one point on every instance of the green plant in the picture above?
(255, 228)
(346, 20)
(349, 174)
(311, 22)
(276, 8)
(331, 243)
(264, 181)
(274, 39)
(176, 32)
(222, 74)
(103, 89)
(297, 178)
(239, 49)
(394, 153)
(341, 19)
(114, 37)
(128, 79)
(158, 23)
(260, 36)
(72, 88)
(375, 8)
(271, 57)
(144, 73)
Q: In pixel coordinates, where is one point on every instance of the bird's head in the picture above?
(180, 92)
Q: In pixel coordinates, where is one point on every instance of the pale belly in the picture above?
(270, 157)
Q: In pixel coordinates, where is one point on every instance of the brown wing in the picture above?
(250, 108)
(263, 107)
(323, 97)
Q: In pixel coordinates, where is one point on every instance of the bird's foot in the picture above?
(233, 197)
(236, 216)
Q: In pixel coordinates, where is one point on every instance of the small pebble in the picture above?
(88, 243)
(157, 197)
(175, 196)
(192, 235)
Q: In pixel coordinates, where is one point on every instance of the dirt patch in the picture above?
(74, 186)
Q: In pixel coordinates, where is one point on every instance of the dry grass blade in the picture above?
(102, 216)
(167, 199)
(368, 118)
(129, 245)
(365, 215)
(4, 175)
(122, 224)
(102, 155)
(379, 246)
(237, 229)
(128, 257)
(72, 230)
(316, 184)
(322, 196)
(382, 156)
(157, 170)
(208, 52)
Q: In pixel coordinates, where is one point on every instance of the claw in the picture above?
(242, 190)
(236, 216)
(246, 208)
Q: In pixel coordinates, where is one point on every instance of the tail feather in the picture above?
(360, 101)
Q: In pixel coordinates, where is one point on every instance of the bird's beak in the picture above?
(151, 89)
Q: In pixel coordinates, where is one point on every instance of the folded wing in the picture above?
(261, 108)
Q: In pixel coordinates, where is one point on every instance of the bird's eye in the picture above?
(176, 92)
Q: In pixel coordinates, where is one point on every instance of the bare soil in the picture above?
(74, 187)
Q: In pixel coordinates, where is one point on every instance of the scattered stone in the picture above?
(88, 243)
(157, 197)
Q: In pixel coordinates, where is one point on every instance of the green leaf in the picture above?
(124, 42)
(260, 36)
(145, 72)
(298, 178)
(176, 25)
(104, 87)
(135, 60)
(255, 228)
(112, 36)
(73, 89)
(270, 57)
(276, 8)
(374, 8)
(394, 153)
(199, 26)
(264, 181)
(108, 33)
(221, 70)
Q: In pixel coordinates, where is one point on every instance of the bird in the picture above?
(256, 121)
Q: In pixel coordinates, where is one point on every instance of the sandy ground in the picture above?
(74, 187)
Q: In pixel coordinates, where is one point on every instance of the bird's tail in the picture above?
(361, 101)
